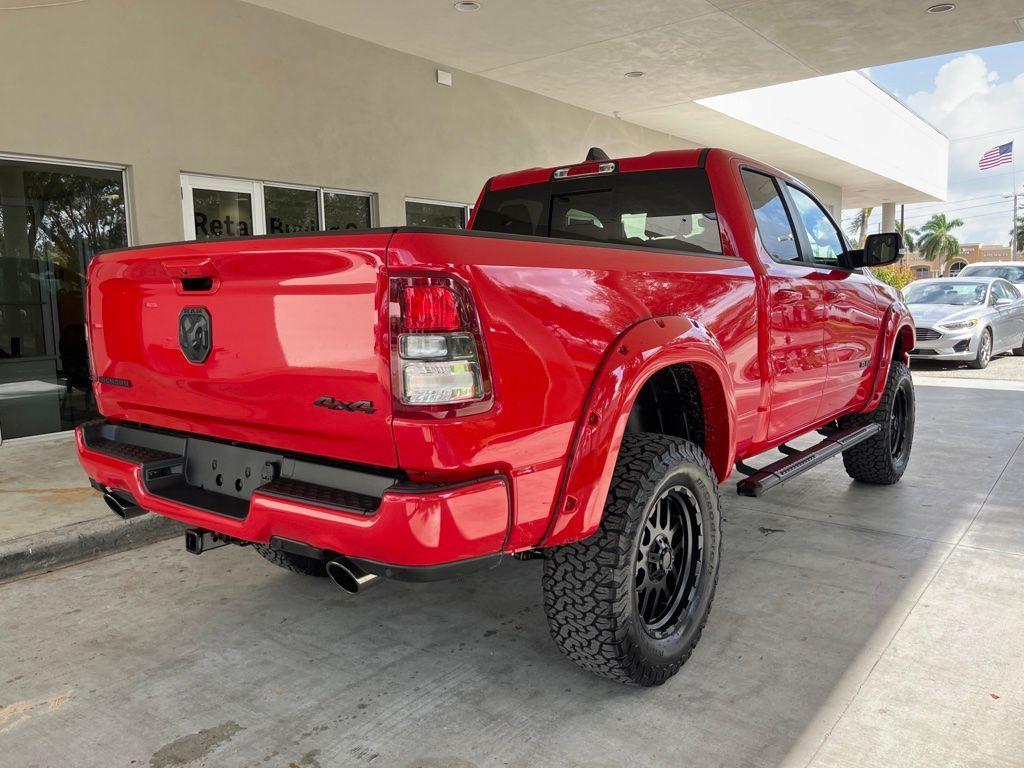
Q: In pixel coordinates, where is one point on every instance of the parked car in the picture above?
(571, 378)
(966, 319)
(1007, 270)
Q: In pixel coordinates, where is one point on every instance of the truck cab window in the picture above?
(826, 242)
(669, 210)
(770, 214)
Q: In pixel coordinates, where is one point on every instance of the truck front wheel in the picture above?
(630, 602)
(883, 459)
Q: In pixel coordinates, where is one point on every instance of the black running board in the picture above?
(798, 462)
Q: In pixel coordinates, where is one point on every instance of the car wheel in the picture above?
(984, 356)
(630, 602)
(307, 566)
(883, 458)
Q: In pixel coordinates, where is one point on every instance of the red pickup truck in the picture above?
(571, 378)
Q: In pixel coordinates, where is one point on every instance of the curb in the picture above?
(45, 551)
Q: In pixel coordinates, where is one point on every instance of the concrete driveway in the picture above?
(853, 626)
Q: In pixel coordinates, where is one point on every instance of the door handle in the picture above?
(835, 295)
(787, 296)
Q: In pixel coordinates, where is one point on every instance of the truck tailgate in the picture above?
(295, 355)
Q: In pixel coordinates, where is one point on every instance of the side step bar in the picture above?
(797, 462)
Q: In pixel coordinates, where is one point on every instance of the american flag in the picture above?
(1001, 155)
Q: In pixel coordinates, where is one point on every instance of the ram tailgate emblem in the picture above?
(194, 333)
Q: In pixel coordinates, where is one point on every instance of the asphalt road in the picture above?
(1003, 368)
(853, 626)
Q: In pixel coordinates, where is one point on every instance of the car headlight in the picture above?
(959, 324)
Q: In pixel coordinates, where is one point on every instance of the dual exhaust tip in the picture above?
(349, 577)
(123, 505)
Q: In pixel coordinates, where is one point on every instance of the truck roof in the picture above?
(654, 161)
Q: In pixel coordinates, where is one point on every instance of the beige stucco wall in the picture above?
(227, 88)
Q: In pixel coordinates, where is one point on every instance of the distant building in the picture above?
(970, 253)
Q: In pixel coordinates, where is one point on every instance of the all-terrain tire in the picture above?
(591, 587)
(307, 566)
(882, 459)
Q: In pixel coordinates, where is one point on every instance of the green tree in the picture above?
(858, 227)
(1020, 235)
(910, 235)
(937, 240)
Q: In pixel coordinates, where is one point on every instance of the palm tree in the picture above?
(937, 241)
(1020, 236)
(858, 227)
(909, 235)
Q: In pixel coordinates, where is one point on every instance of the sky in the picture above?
(976, 98)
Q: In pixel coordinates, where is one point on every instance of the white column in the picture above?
(888, 217)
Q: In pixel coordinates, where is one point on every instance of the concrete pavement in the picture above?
(50, 516)
(853, 626)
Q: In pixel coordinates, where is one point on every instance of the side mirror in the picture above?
(878, 250)
(1003, 302)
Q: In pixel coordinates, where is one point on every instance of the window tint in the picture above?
(342, 211)
(657, 209)
(1001, 291)
(290, 210)
(772, 220)
(1011, 273)
(826, 242)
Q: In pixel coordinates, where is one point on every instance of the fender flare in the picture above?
(897, 323)
(638, 353)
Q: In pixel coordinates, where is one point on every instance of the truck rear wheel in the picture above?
(630, 602)
(307, 566)
(883, 459)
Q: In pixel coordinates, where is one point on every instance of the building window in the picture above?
(290, 209)
(343, 210)
(955, 267)
(431, 213)
(215, 207)
(54, 217)
(922, 273)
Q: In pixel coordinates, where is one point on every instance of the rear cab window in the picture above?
(666, 210)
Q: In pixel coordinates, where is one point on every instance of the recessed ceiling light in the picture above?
(634, 73)
(467, 6)
(941, 8)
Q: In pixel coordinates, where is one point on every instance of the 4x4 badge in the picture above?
(194, 333)
(355, 406)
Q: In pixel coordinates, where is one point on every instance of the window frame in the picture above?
(467, 208)
(256, 187)
(787, 206)
(804, 239)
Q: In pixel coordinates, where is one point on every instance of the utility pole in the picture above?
(1013, 229)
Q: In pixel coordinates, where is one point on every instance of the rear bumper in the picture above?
(434, 528)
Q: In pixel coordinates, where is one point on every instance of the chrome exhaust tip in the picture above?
(122, 507)
(350, 577)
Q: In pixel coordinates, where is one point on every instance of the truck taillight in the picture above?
(436, 350)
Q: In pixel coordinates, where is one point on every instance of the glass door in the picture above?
(214, 208)
(53, 219)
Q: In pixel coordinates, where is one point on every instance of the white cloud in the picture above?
(977, 111)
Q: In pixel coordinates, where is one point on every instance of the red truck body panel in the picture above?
(571, 332)
(294, 319)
